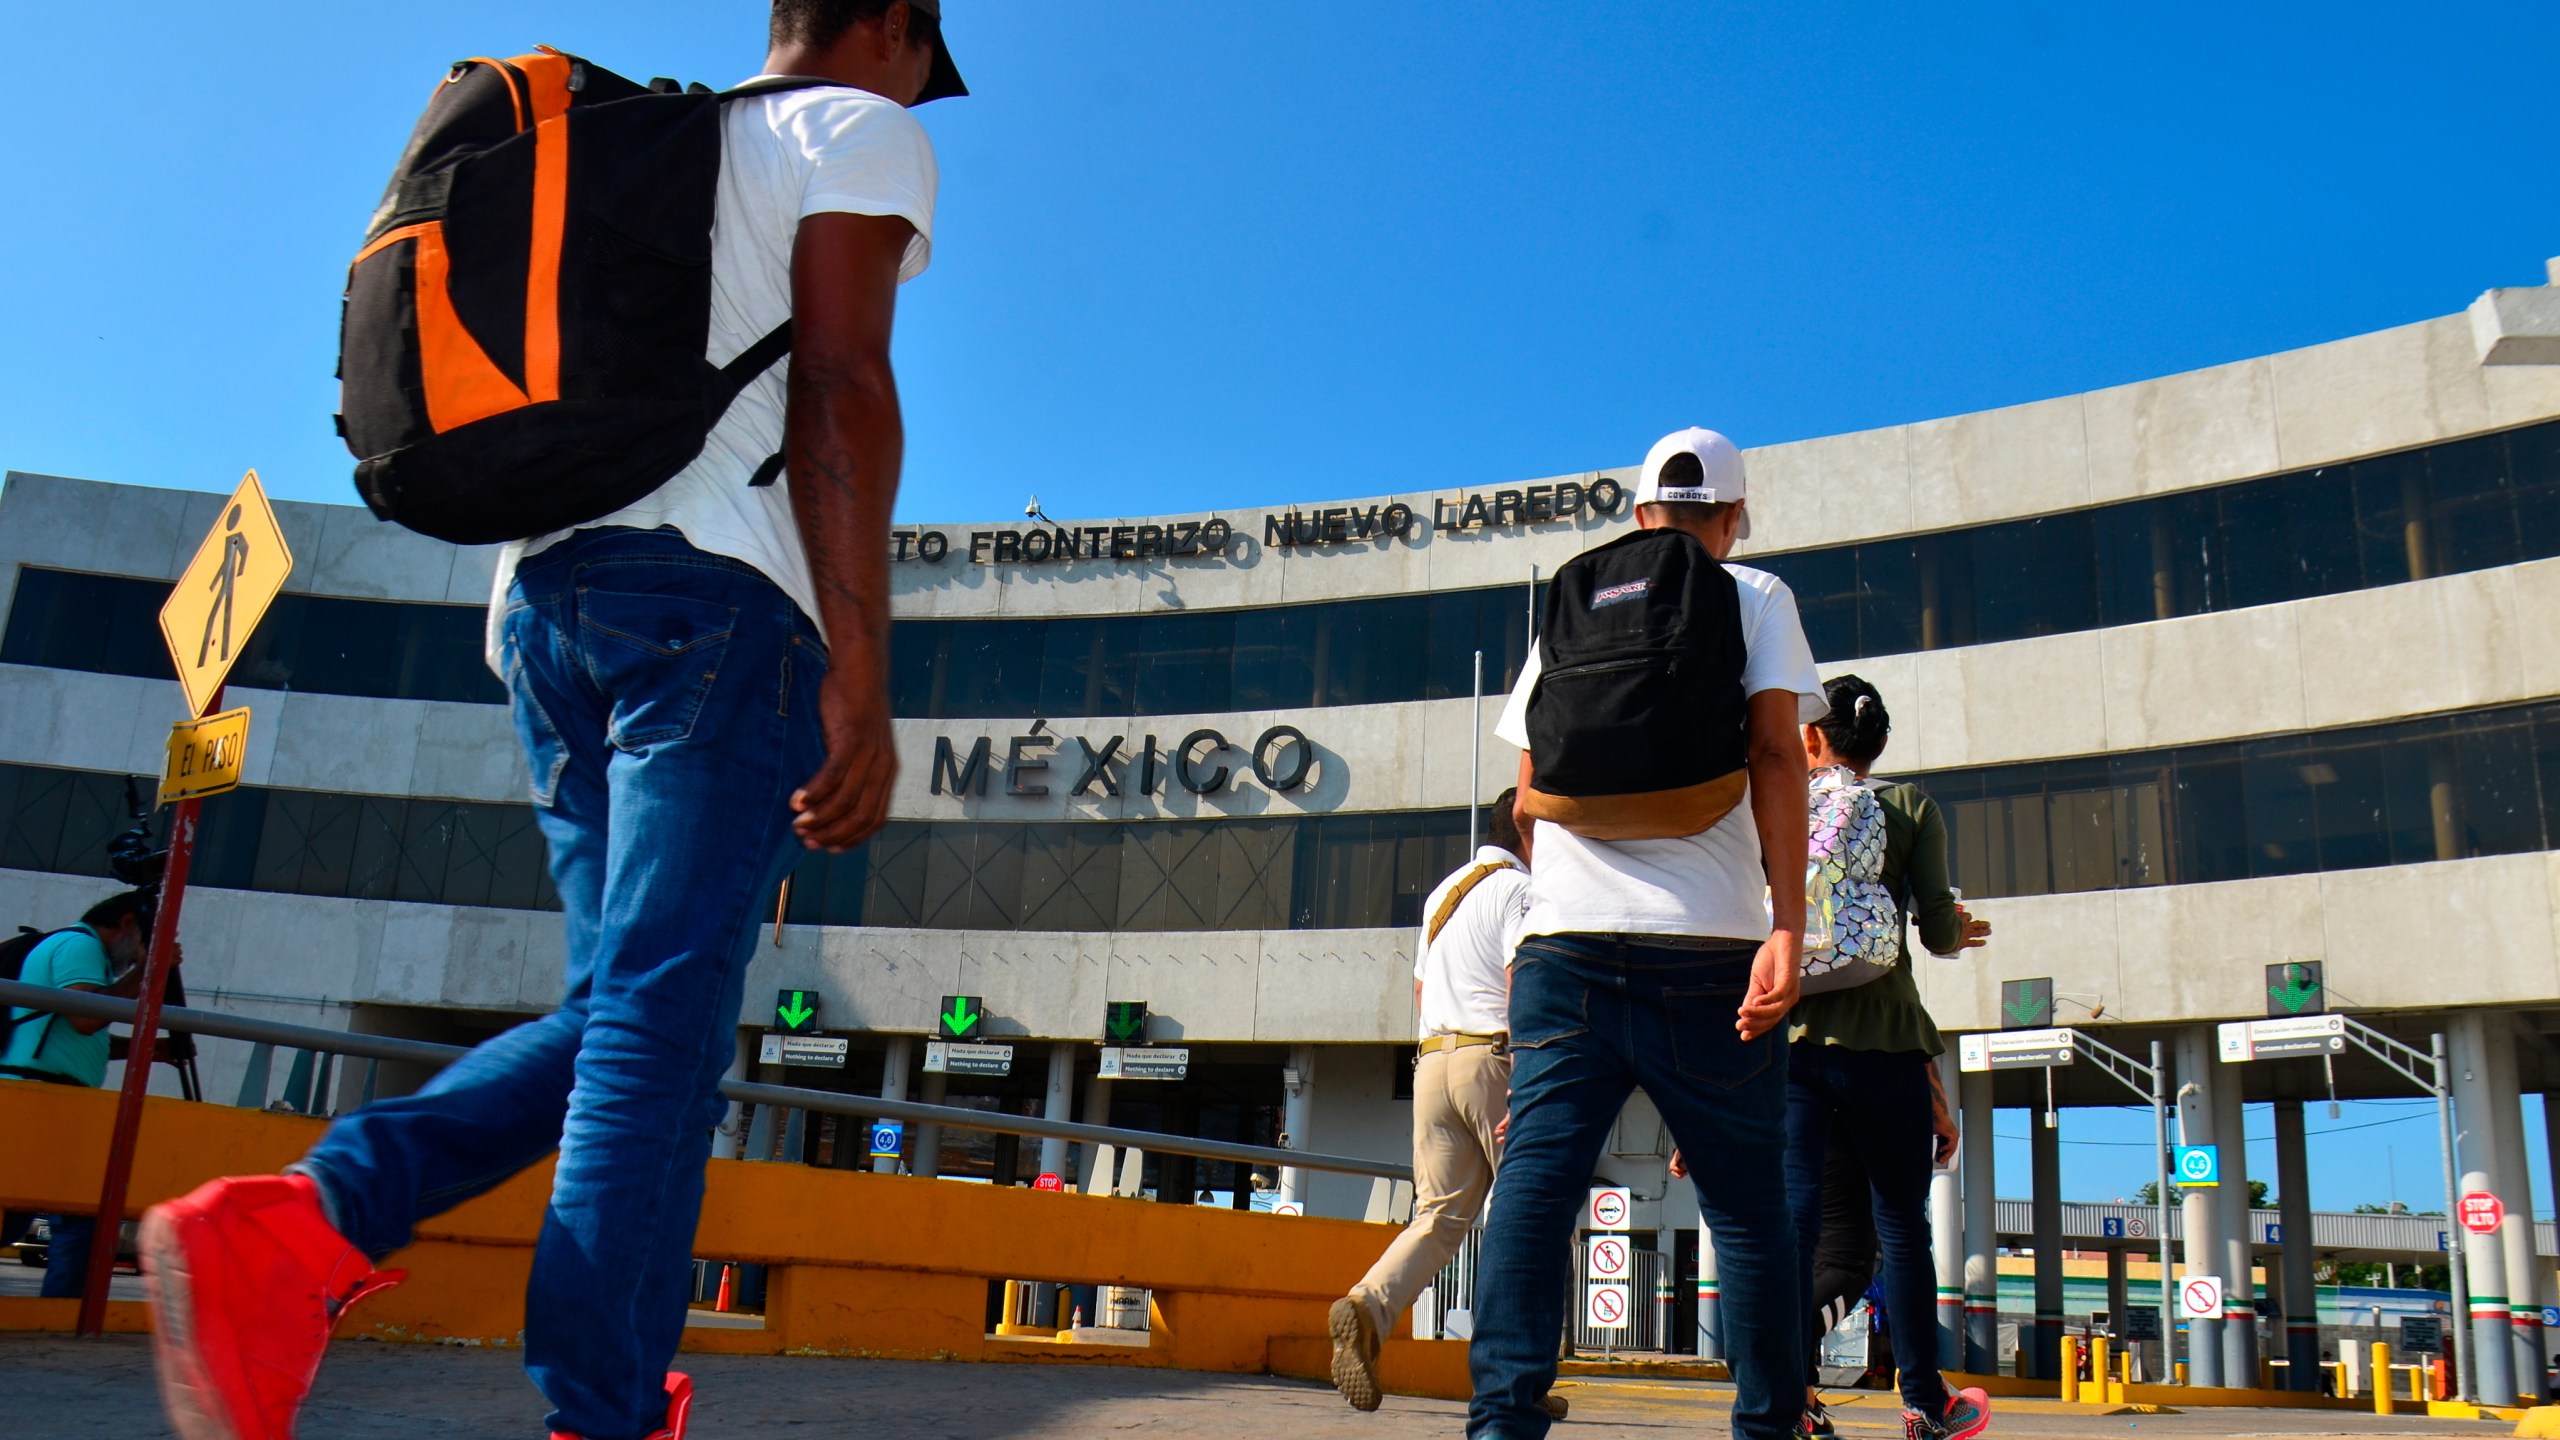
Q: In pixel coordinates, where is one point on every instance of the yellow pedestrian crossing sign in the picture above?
(224, 591)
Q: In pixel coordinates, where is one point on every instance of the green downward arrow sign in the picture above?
(2297, 991)
(2022, 1011)
(960, 1019)
(797, 1011)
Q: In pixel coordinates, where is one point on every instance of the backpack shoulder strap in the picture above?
(30, 937)
(771, 84)
(1457, 895)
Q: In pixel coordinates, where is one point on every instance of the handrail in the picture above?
(90, 1004)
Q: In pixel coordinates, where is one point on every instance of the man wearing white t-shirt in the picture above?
(1461, 1085)
(698, 680)
(1659, 963)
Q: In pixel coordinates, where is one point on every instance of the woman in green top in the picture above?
(1862, 1086)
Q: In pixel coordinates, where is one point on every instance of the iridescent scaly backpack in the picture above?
(1853, 930)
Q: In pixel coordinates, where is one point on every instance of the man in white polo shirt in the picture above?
(1461, 1086)
(1656, 962)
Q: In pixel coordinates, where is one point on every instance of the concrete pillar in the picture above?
(1981, 1230)
(1710, 1299)
(1060, 1104)
(924, 1157)
(2044, 1205)
(2493, 1358)
(2301, 1292)
(2239, 1236)
(2476, 1130)
(2512, 1177)
(1946, 1239)
(893, 1086)
(1297, 1114)
(1097, 1111)
(2198, 1056)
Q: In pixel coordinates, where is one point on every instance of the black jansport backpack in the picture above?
(1636, 729)
(521, 349)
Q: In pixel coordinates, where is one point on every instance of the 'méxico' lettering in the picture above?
(1282, 758)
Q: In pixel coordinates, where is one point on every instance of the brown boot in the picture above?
(1556, 1407)
(1355, 1352)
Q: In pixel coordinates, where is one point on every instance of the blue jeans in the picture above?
(66, 1255)
(1592, 1018)
(1877, 1103)
(667, 701)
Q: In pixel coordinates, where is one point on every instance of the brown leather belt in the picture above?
(1461, 1041)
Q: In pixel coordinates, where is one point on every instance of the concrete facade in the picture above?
(2163, 955)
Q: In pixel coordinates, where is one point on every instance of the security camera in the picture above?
(1031, 508)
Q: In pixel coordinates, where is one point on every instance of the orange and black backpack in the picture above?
(521, 349)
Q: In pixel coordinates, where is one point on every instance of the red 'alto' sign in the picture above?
(2481, 1212)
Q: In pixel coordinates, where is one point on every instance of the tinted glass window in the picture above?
(2441, 788)
(2460, 506)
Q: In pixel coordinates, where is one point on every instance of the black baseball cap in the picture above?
(945, 80)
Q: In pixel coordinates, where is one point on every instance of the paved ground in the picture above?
(58, 1389)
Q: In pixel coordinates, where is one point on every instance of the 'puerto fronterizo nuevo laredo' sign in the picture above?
(1216, 537)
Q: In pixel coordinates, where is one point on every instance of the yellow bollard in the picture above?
(2098, 1367)
(2071, 1369)
(2117, 1393)
(2418, 1382)
(2182, 1372)
(2382, 1377)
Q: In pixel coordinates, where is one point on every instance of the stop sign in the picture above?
(1048, 1181)
(2481, 1212)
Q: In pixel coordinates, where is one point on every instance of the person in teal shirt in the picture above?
(103, 953)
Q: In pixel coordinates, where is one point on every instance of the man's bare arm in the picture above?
(1778, 809)
(843, 443)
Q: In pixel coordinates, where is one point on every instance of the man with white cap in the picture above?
(1663, 765)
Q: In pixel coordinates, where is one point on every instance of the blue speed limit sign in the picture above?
(2197, 1166)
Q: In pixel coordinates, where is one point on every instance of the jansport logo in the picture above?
(1615, 593)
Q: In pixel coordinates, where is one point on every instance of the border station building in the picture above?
(2245, 667)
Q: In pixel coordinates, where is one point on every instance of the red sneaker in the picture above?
(679, 1405)
(246, 1278)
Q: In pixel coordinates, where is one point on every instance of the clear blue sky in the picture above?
(1236, 255)
(1229, 255)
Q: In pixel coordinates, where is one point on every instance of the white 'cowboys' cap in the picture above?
(1694, 465)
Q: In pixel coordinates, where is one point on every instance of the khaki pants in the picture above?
(1458, 1097)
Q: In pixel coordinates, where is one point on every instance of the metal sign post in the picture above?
(216, 604)
(2160, 1197)
(2047, 1049)
(2298, 988)
(140, 1054)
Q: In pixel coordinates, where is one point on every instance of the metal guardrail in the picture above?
(94, 1006)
